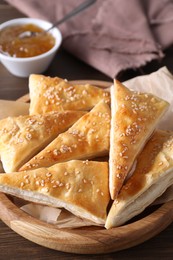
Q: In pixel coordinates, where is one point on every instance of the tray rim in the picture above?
(97, 241)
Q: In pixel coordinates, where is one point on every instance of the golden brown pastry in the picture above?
(48, 94)
(87, 138)
(78, 186)
(152, 176)
(24, 136)
(134, 118)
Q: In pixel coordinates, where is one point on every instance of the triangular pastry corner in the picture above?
(54, 93)
(152, 176)
(24, 136)
(81, 187)
(134, 117)
(87, 138)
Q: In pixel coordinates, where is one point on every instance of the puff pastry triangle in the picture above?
(87, 138)
(48, 94)
(24, 136)
(152, 176)
(79, 186)
(134, 118)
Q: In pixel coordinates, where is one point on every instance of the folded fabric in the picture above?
(108, 35)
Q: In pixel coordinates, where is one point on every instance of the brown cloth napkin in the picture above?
(111, 35)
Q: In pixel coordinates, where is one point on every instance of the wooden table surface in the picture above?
(13, 246)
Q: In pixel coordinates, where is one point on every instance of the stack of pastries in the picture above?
(95, 152)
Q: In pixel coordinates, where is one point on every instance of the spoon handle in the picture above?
(75, 11)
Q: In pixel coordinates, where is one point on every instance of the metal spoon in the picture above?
(75, 11)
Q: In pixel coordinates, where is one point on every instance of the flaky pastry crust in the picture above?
(134, 117)
(56, 94)
(87, 138)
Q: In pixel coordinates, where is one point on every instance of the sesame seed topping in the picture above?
(115, 202)
(85, 162)
(67, 186)
(84, 181)
(48, 174)
(37, 183)
(160, 163)
(27, 181)
(56, 152)
(42, 183)
(45, 189)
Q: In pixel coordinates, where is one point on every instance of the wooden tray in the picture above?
(88, 240)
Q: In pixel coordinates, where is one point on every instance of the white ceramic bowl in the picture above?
(23, 67)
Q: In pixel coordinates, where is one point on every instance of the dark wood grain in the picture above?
(13, 246)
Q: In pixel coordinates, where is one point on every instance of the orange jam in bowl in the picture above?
(15, 46)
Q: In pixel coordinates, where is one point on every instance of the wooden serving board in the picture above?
(86, 240)
(89, 240)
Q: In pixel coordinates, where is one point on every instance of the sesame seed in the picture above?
(42, 183)
(45, 189)
(160, 163)
(64, 148)
(56, 152)
(28, 136)
(115, 202)
(85, 162)
(67, 186)
(84, 181)
(48, 174)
